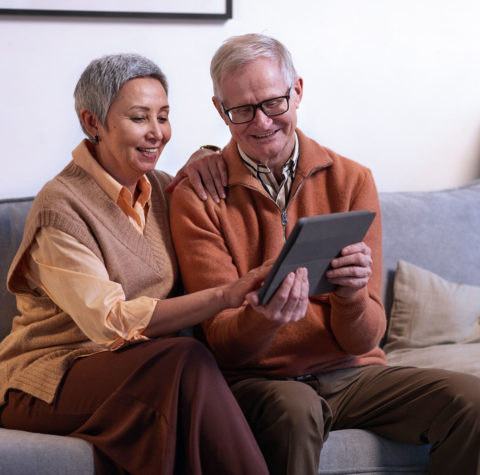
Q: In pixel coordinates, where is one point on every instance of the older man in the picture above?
(300, 366)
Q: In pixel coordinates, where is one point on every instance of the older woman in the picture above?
(93, 278)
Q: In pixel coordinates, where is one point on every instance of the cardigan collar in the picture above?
(312, 157)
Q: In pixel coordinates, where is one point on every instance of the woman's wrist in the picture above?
(213, 148)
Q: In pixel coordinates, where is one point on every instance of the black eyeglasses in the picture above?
(270, 107)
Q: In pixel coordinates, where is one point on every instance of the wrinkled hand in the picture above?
(207, 172)
(289, 303)
(352, 270)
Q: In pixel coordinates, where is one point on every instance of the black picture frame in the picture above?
(225, 14)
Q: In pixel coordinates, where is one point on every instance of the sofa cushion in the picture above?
(12, 221)
(25, 453)
(459, 357)
(428, 310)
(434, 323)
(348, 451)
(354, 451)
(436, 230)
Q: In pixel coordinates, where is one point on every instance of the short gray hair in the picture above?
(237, 51)
(99, 84)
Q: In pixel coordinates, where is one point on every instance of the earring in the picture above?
(97, 139)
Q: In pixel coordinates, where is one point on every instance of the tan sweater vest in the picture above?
(44, 340)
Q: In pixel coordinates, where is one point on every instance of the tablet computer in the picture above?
(313, 243)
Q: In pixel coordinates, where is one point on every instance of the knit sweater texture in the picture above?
(217, 243)
(44, 340)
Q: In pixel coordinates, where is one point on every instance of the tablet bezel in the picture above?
(329, 233)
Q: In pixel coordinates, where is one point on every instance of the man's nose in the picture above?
(261, 118)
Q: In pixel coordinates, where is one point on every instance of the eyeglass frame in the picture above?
(258, 106)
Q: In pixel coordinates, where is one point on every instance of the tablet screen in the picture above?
(313, 243)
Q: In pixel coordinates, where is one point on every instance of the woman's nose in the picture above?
(155, 131)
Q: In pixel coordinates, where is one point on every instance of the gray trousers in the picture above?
(291, 419)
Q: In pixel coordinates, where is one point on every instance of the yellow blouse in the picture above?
(95, 303)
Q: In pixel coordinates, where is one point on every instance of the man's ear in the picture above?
(298, 88)
(90, 122)
(218, 106)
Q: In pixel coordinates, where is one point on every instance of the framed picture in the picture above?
(179, 9)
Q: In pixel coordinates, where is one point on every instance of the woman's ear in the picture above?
(90, 122)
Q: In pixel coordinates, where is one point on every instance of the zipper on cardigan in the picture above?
(284, 223)
(284, 212)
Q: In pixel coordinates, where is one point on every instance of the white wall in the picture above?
(393, 84)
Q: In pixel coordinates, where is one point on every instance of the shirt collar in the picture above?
(84, 158)
(256, 168)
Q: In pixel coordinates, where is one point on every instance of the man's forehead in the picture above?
(256, 67)
(256, 80)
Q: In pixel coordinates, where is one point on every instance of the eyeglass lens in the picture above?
(270, 107)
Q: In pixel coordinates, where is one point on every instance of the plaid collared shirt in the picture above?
(278, 190)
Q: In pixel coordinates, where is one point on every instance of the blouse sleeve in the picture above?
(78, 282)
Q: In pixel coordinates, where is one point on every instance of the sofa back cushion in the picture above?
(436, 230)
(12, 220)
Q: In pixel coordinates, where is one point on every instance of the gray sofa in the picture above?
(435, 230)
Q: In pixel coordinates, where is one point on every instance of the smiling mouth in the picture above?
(148, 150)
(264, 136)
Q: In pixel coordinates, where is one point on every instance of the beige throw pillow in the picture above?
(428, 310)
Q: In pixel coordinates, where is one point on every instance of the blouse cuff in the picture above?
(128, 320)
